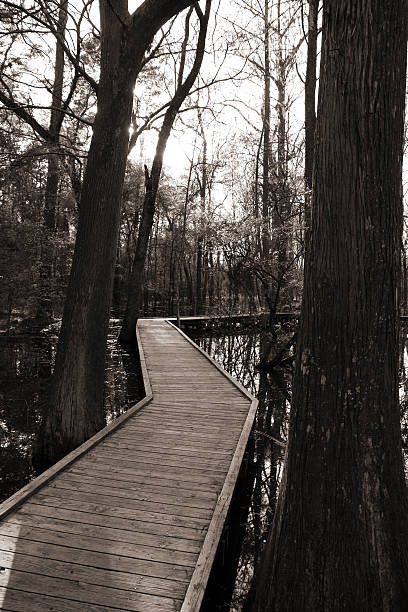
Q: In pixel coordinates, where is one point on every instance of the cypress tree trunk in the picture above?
(77, 400)
(340, 535)
(76, 404)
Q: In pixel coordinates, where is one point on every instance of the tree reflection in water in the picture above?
(240, 354)
(25, 370)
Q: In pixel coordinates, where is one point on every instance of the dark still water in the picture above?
(240, 355)
(25, 368)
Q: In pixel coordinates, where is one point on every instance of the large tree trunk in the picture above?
(340, 536)
(76, 404)
(76, 410)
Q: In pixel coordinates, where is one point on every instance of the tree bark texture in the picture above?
(340, 535)
(76, 403)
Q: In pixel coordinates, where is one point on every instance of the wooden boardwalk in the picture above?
(131, 519)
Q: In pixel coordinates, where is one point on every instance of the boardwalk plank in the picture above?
(164, 459)
(188, 424)
(220, 405)
(191, 417)
(176, 451)
(154, 471)
(142, 493)
(18, 601)
(97, 544)
(82, 515)
(177, 429)
(102, 479)
(80, 527)
(222, 412)
(86, 594)
(60, 489)
(159, 439)
(133, 480)
(91, 575)
(60, 500)
(112, 562)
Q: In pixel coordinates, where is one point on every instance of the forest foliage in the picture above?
(205, 245)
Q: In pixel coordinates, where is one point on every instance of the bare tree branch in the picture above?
(21, 112)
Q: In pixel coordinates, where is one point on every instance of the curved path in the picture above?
(131, 519)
